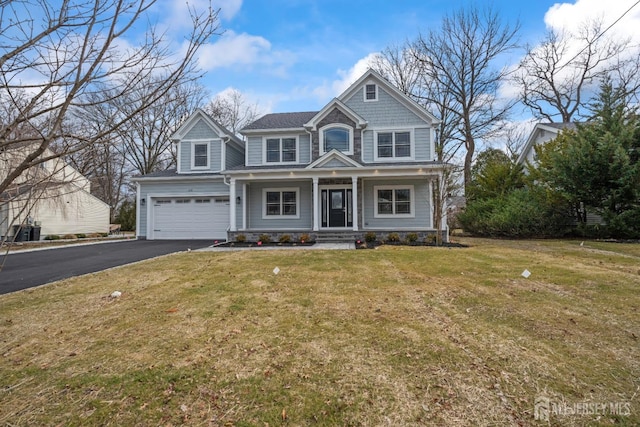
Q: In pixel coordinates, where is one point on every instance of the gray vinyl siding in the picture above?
(215, 156)
(255, 207)
(235, 156)
(254, 151)
(386, 111)
(367, 146)
(185, 156)
(185, 189)
(254, 148)
(422, 206)
(304, 147)
(422, 144)
(201, 131)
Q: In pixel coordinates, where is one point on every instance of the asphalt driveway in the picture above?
(24, 270)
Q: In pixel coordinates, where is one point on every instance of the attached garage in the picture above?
(179, 218)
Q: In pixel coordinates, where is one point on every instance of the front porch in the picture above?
(332, 204)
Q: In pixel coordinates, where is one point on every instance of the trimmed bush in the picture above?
(264, 238)
(370, 237)
(411, 237)
(241, 238)
(304, 238)
(81, 236)
(69, 236)
(393, 237)
(285, 238)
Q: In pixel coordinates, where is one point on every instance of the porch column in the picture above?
(315, 196)
(244, 205)
(232, 205)
(354, 201)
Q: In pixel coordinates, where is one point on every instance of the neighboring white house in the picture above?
(541, 133)
(52, 195)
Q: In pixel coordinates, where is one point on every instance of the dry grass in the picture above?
(393, 336)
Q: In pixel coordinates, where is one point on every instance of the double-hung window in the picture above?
(393, 145)
(370, 92)
(281, 202)
(200, 155)
(281, 150)
(396, 201)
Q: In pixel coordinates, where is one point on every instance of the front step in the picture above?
(335, 237)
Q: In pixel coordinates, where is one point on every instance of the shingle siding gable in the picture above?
(386, 111)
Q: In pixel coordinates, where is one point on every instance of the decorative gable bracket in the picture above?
(334, 158)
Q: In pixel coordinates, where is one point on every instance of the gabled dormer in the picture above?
(205, 146)
(336, 127)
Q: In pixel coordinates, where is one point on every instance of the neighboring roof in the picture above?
(551, 127)
(559, 126)
(281, 121)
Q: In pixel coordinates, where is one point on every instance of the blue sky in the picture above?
(295, 55)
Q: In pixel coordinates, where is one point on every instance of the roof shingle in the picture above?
(281, 120)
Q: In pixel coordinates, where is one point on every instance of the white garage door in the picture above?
(190, 218)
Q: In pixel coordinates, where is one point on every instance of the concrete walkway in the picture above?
(317, 246)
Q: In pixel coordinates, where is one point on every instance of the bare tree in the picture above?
(557, 82)
(58, 59)
(232, 110)
(458, 62)
(404, 68)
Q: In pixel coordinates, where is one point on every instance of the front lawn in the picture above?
(392, 336)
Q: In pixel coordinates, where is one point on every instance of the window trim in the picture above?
(364, 92)
(412, 145)
(193, 155)
(329, 127)
(280, 138)
(412, 201)
(280, 190)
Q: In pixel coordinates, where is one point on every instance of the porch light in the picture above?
(238, 200)
(143, 202)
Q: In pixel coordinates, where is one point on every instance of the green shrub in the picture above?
(81, 236)
(304, 238)
(393, 237)
(411, 237)
(521, 213)
(52, 237)
(69, 236)
(241, 238)
(370, 237)
(264, 238)
(104, 234)
(285, 238)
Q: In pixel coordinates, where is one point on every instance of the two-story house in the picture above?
(365, 162)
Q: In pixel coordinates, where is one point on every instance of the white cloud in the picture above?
(571, 16)
(235, 49)
(346, 77)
